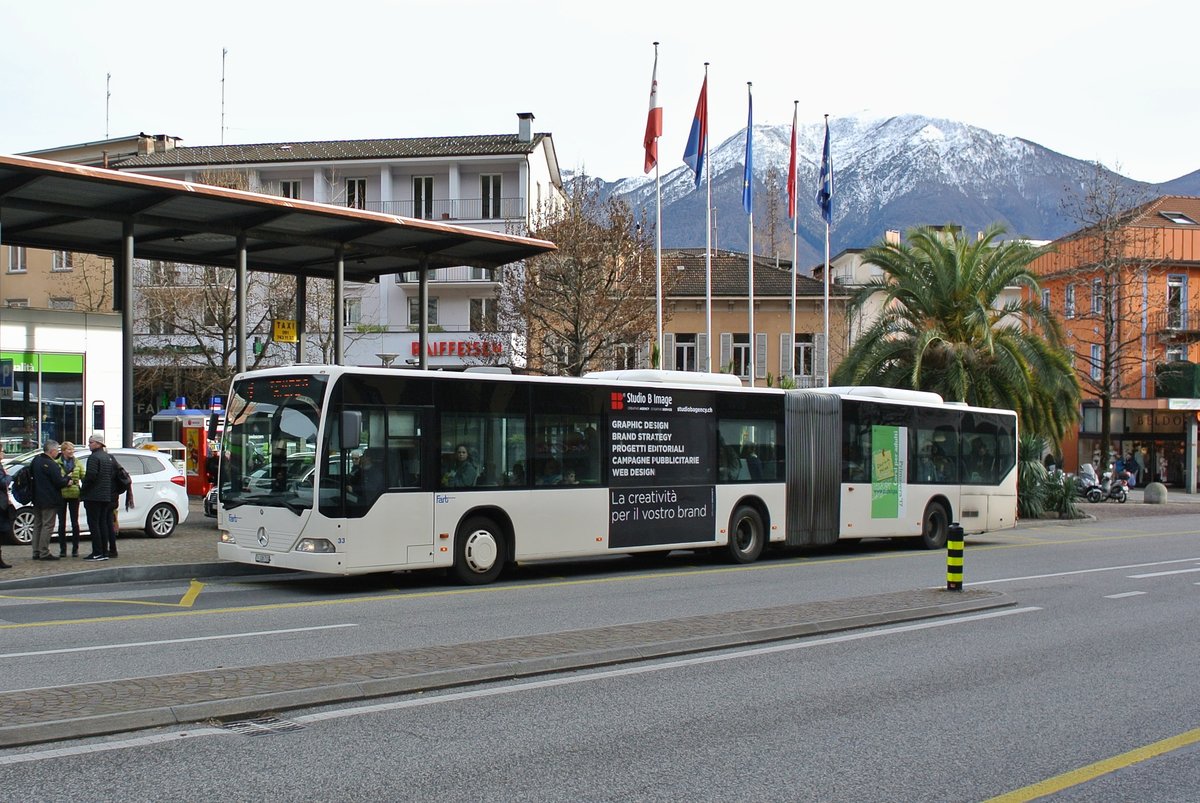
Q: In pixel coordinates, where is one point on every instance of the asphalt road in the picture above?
(1097, 659)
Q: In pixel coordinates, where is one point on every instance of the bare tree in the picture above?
(1106, 268)
(595, 293)
(769, 230)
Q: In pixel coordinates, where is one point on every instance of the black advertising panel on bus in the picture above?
(661, 466)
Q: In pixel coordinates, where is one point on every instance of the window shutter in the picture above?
(786, 365)
(820, 371)
(760, 355)
(703, 357)
(643, 360)
(726, 351)
(668, 356)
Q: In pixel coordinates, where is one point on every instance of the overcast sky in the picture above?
(1094, 79)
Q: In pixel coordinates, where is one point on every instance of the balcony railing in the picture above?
(457, 275)
(1177, 322)
(454, 209)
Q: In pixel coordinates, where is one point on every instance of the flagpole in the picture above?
(827, 224)
(795, 188)
(658, 262)
(748, 202)
(707, 240)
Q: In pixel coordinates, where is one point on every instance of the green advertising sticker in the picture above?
(887, 472)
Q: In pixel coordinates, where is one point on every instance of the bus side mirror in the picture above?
(351, 430)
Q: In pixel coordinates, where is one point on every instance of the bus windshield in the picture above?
(268, 449)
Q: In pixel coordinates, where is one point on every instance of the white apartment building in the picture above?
(495, 182)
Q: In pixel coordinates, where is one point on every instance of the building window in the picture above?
(1097, 296)
(489, 191)
(17, 260)
(16, 302)
(481, 274)
(685, 352)
(483, 314)
(1069, 302)
(1176, 353)
(63, 261)
(353, 312)
(423, 197)
(1097, 362)
(804, 354)
(62, 303)
(741, 355)
(1046, 300)
(625, 356)
(1176, 301)
(356, 193)
(1178, 218)
(414, 311)
(289, 188)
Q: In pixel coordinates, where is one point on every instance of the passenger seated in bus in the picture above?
(569, 478)
(465, 472)
(369, 479)
(551, 473)
(753, 464)
(516, 477)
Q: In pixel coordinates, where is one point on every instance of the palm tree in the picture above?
(945, 328)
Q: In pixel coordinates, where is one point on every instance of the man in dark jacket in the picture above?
(96, 494)
(48, 482)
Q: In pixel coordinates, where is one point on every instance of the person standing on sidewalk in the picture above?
(8, 513)
(72, 469)
(96, 493)
(48, 482)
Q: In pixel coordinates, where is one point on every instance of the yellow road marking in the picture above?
(1058, 783)
(803, 562)
(186, 601)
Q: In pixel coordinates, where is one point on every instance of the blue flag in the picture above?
(748, 175)
(825, 191)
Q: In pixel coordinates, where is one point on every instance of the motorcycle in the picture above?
(1087, 484)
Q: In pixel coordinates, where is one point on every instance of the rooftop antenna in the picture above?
(107, 100)
(224, 53)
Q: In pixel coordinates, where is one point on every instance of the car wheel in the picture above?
(22, 532)
(161, 520)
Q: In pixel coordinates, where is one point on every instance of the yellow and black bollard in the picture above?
(954, 557)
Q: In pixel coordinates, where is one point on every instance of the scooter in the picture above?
(1112, 488)
(1087, 485)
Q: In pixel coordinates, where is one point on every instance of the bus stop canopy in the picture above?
(66, 207)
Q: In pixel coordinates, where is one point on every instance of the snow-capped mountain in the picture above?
(890, 173)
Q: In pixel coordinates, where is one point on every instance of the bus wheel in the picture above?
(746, 539)
(478, 552)
(935, 526)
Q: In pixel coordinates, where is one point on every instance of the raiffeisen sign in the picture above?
(460, 347)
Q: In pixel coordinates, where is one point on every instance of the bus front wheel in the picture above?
(746, 535)
(935, 526)
(478, 552)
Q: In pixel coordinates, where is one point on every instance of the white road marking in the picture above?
(1126, 594)
(1081, 571)
(1161, 574)
(123, 645)
(417, 702)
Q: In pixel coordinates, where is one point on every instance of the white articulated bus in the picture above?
(355, 470)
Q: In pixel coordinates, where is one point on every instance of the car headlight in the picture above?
(227, 538)
(315, 545)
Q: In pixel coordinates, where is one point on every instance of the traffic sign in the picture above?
(6, 379)
(285, 331)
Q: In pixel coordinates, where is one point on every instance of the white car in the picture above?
(159, 496)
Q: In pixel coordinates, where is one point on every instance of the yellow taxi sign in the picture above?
(285, 331)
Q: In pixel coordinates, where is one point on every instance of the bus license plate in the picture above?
(262, 557)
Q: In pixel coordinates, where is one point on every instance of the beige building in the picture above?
(777, 352)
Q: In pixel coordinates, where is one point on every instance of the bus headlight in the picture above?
(315, 545)
(227, 538)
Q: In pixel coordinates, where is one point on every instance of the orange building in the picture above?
(1128, 296)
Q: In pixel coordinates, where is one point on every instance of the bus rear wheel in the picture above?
(746, 535)
(479, 552)
(935, 526)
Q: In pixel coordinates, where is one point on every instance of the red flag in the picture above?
(653, 120)
(792, 168)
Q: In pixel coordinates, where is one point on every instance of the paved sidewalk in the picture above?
(41, 715)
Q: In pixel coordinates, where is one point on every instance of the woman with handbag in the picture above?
(72, 469)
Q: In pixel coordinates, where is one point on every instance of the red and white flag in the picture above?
(653, 120)
(792, 168)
